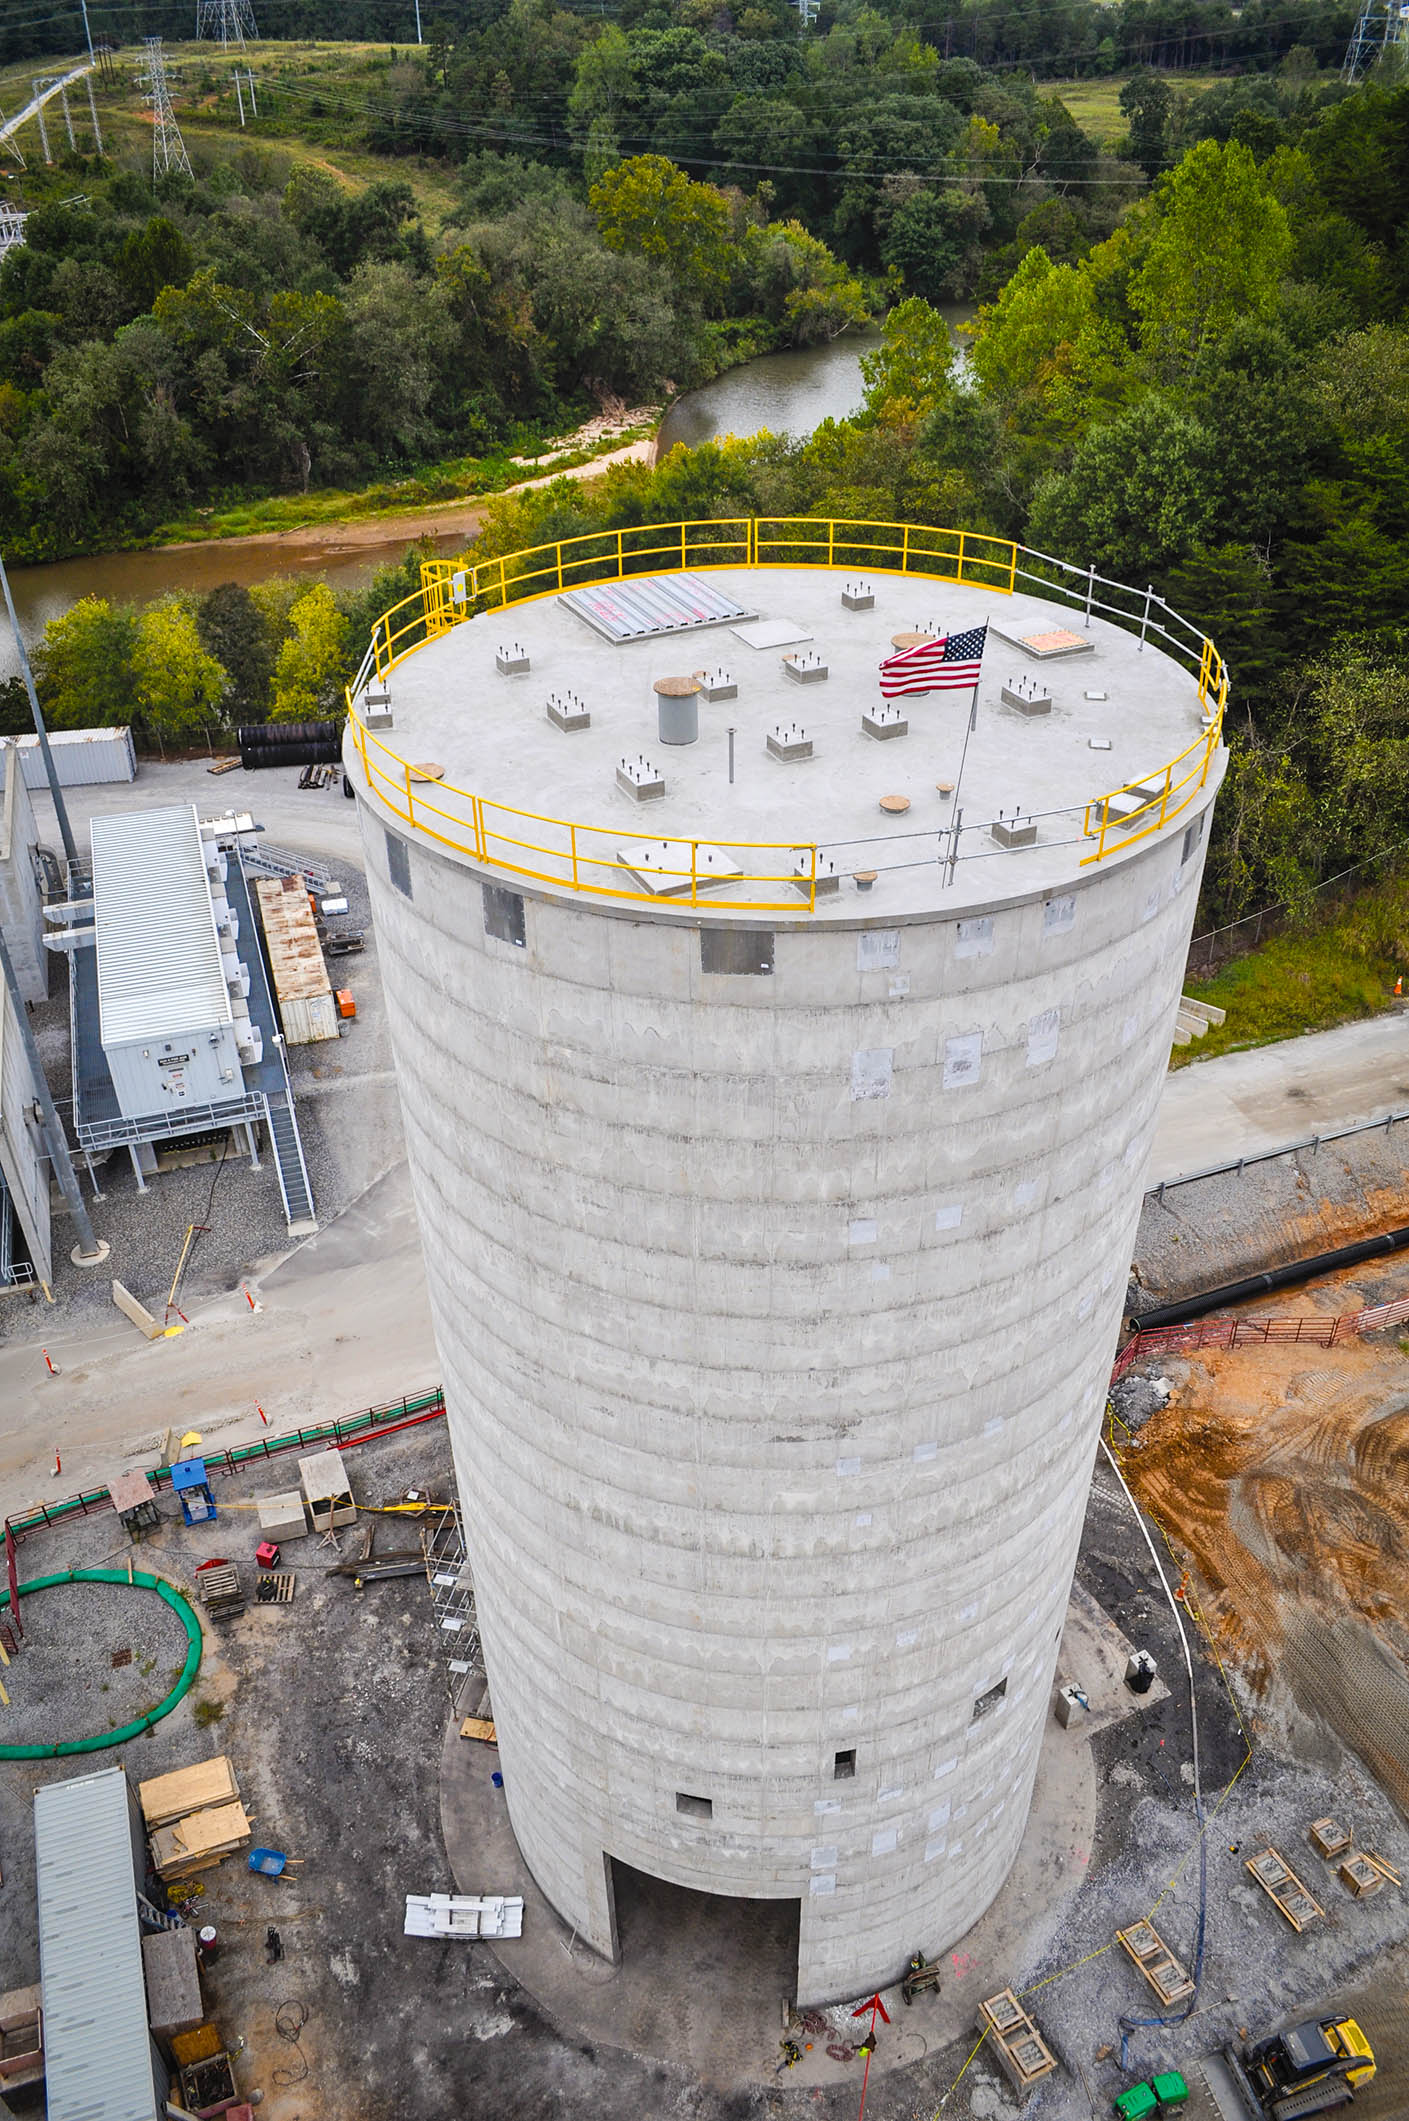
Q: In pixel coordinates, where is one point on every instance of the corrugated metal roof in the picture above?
(98, 2051)
(159, 970)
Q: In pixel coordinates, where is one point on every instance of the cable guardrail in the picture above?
(775, 875)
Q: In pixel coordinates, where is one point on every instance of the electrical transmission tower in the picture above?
(168, 147)
(1383, 24)
(232, 21)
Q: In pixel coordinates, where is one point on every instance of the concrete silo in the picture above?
(778, 1217)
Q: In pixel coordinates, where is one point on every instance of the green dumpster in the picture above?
(1170, 2089)
(1136, 2103)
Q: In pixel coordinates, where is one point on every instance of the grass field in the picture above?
(339, 75)
(1342, 968)
(1095, 105)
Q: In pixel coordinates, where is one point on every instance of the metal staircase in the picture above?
(288, 1162)
(262, 859)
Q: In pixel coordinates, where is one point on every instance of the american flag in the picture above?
(946, 664)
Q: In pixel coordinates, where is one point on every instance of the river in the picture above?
(788, 393)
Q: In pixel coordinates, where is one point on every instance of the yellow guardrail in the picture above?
(771, 875)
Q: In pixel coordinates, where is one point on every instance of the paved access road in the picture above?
(1244, 1103)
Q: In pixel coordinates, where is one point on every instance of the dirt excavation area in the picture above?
(1280, 1473)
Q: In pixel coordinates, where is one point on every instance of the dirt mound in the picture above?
(1286, 1485)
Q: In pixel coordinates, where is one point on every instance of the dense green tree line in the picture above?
(1050, 39)
(187, 670)
(255, 331)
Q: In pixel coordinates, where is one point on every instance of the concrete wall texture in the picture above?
(776, 1313)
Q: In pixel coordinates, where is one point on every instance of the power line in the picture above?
(168, 147)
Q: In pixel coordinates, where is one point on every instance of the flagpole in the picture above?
(957, 826)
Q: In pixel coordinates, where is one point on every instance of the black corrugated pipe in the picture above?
(1233, 1292)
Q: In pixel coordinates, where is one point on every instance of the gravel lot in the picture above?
(65, 1685)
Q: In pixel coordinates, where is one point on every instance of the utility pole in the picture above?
(168, 147)
(87, 32)
(240, 93)
(93, 113)
(51, 772)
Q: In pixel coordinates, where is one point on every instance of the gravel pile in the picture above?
(63, 1684)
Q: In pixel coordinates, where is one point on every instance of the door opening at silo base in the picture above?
(742, 1954)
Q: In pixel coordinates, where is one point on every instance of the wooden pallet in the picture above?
(1284, 1889)
(1166, 1976)
(276, 1587)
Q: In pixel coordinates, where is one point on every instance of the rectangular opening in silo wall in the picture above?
(844, 1765)
(1192, 837)
(990, 1700)
(398, 863)
(697, 1807)
(736, 950)
(503, 915)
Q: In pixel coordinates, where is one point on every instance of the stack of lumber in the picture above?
(194, 1817)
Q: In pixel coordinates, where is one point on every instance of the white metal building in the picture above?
(100, 2061)
(83, 758)
(25, 1254)
(777, 1233)
(174, 1029)
(21, 904)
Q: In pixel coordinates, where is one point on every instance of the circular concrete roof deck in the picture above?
(562, 762)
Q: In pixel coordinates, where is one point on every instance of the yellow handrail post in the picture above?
(961, 556)
(694, 877)
(831, 540)
(572, 838)
(1012, 565)
(410, 801)
(560, 563)
(620, 558)
(905, 550)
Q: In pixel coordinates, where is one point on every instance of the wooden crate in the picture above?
(1283, 1888)
(1328, 1837)
(1166, 1976)
(1022, 2054)
(1360, 1875)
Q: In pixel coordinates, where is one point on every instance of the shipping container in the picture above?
(301, 985)
(83, 758)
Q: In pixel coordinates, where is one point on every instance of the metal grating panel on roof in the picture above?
(159, 970)
(98, 2051)
(634, 610)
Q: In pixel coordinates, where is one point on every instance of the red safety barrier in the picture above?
(1320, 1332)
(352, 1429)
